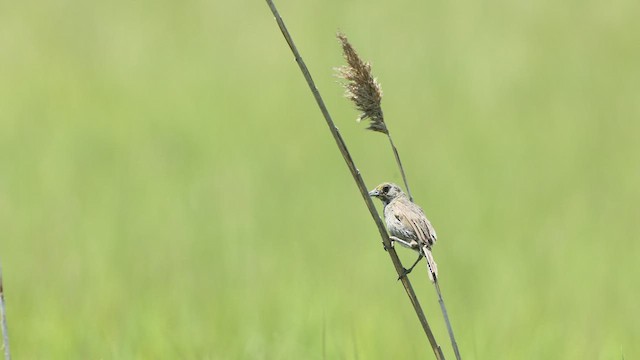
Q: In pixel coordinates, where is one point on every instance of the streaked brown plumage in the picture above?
(407, 223)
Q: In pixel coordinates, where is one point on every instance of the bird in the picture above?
(407, 224)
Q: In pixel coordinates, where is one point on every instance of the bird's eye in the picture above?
(385, 189)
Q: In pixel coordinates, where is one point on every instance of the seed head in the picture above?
(361, 87)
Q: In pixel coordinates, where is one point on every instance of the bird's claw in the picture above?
(385, 247)
(405, 272)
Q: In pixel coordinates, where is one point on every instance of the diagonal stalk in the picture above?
(452, 337)
(360, 183)
(366, 94)
(443, 308)
(404, 177)
(454, 344)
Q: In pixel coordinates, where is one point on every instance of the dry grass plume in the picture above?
(361, 87)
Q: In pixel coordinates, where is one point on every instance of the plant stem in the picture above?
(404, 177)
(454, 344)
(3, 320)
(359, 182)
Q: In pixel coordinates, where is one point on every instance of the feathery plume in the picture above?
(361, 87)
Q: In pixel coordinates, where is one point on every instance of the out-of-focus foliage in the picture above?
(168, 188)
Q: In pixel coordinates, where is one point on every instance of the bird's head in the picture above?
(386, 192)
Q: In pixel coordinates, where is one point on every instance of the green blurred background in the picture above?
(169, 189)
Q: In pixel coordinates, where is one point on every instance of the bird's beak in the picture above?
(374, 192)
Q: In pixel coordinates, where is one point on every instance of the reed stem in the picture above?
(359, 182)
(404, 177)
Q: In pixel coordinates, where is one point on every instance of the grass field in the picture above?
(169, 190)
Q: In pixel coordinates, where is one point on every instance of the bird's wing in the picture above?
(412, 217)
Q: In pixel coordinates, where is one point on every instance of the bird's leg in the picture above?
(411, 245)
(393, 241)
(408, 271)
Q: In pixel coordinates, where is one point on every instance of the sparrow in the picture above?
(407, 224)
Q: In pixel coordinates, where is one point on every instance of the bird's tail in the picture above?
(431, 263)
